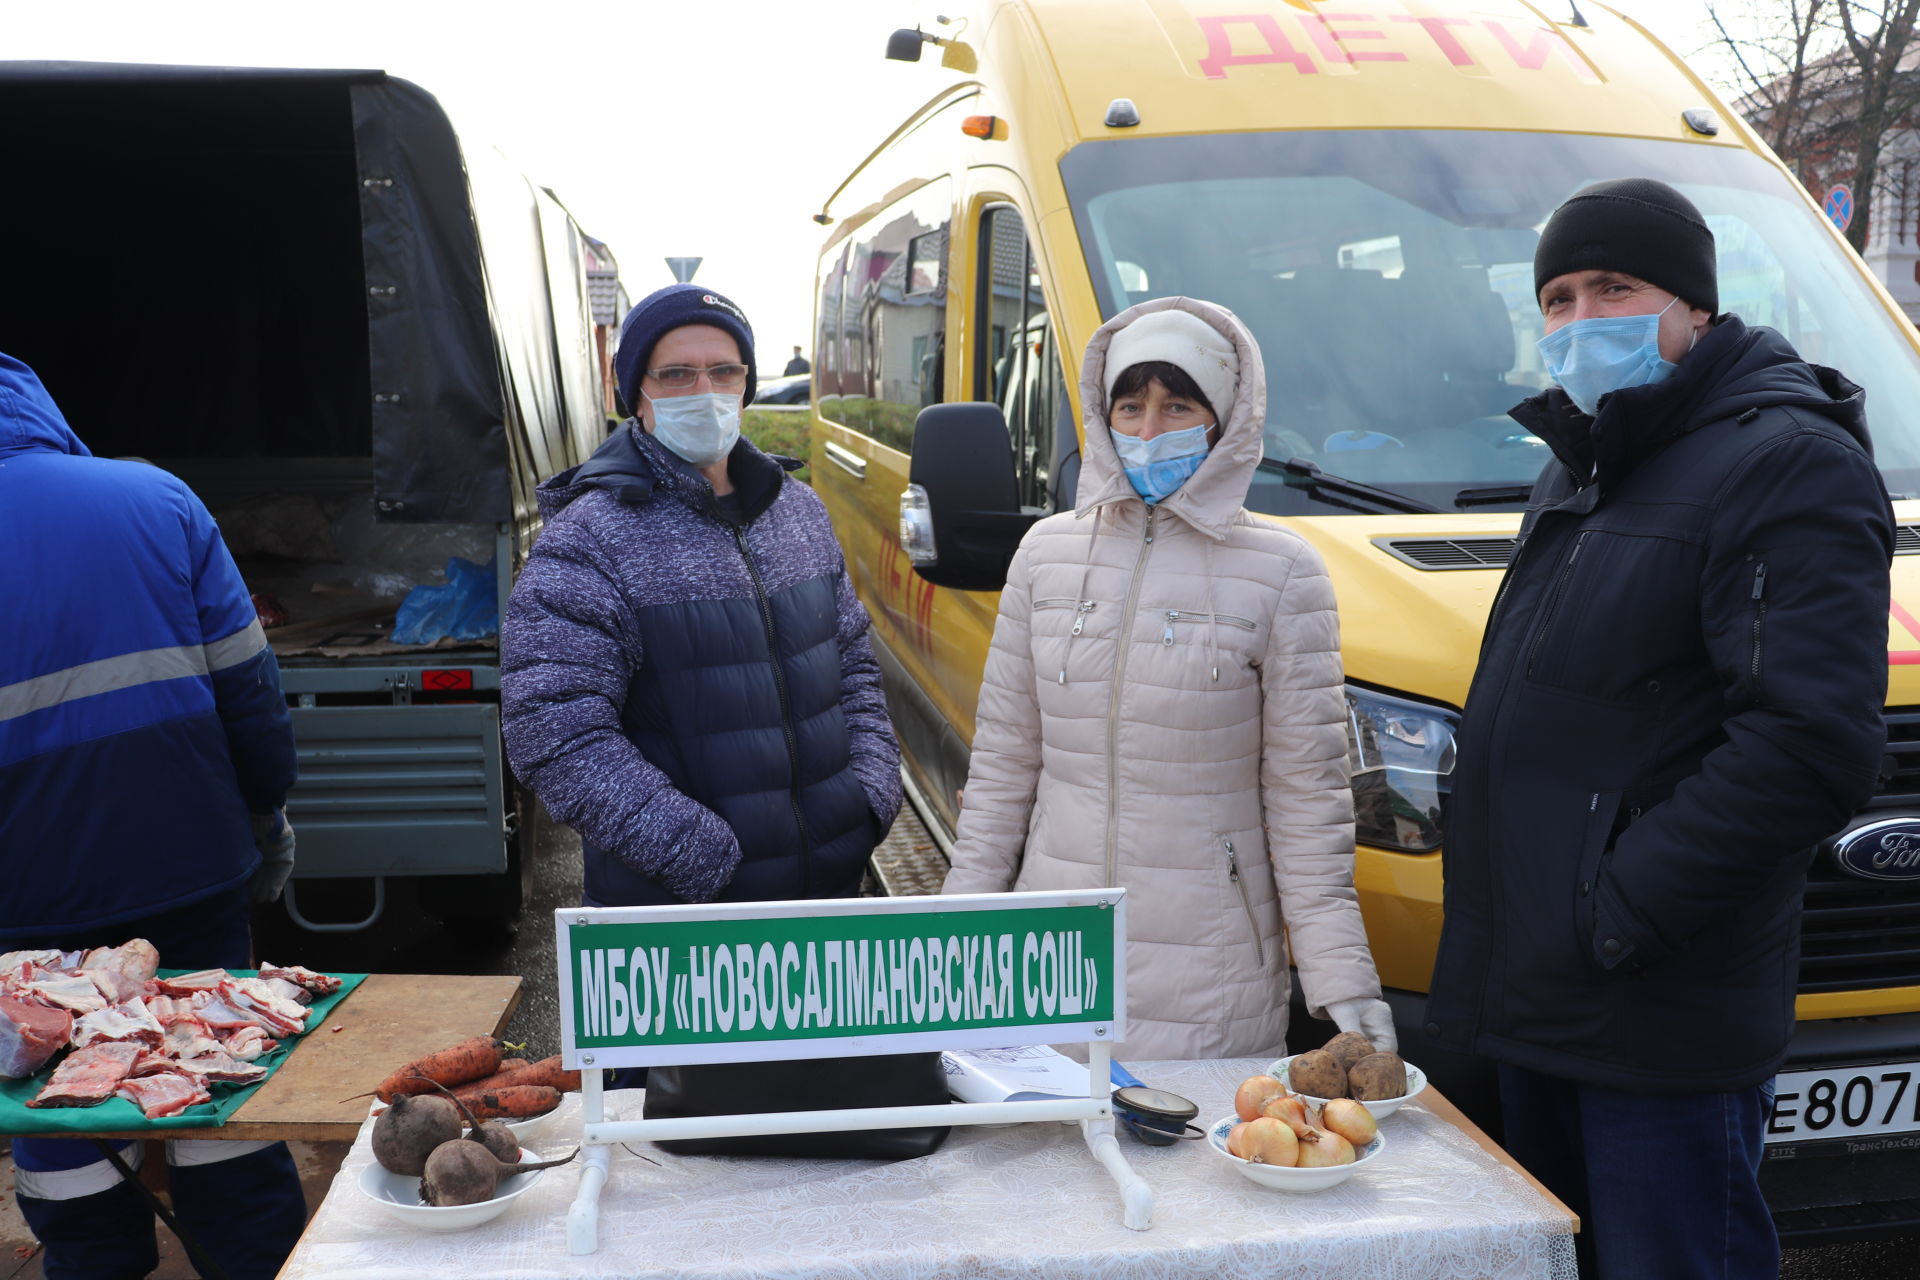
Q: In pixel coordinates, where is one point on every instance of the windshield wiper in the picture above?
(1497, 496)
(1329, 487)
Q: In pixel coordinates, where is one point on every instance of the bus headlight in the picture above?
(1402, 755)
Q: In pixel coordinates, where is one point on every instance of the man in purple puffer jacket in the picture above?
(686, 678)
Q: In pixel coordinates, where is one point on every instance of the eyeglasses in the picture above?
(678, 377)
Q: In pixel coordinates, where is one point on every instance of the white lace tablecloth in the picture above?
(1016, 1201)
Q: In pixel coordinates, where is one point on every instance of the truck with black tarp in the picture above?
(362, 342)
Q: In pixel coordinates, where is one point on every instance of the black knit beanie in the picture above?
(667, 309)
(1637, 225)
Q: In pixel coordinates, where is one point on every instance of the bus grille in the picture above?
(1857, 934)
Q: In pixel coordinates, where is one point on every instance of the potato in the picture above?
(1379, 1076)
(1349, 1047)
(1318, 1074)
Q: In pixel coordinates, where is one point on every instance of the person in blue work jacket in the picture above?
(145, 758)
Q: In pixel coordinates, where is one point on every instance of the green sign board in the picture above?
(642, 986)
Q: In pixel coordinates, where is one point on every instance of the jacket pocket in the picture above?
(1596, 850)
(1758, 597)
(1239, 882)
(1544, 626)
(1183, 618)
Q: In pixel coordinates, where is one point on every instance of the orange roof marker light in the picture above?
(991, 127)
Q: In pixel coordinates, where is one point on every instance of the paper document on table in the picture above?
(1019, 1074)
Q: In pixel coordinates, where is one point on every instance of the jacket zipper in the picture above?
(1553, 600)
(1233, 874)
(1759, 619)
(1184, 615)
(786, 711)
(1081, 607)
(1113, 698)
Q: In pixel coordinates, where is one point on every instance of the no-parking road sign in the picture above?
(1839, 204)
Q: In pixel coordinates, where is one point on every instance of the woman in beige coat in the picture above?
(1163, 708)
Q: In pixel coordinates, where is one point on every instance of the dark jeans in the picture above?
(1666, 1185)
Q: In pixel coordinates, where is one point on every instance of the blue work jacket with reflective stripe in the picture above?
(141, 716)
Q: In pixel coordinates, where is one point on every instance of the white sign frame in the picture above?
(598, 1135)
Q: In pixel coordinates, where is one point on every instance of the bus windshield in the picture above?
(1388, 276)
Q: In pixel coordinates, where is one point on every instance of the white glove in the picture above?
(273, 837)
(1371, 1018)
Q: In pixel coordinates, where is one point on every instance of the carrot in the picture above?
(547, 1072)
(516, 1102)
(459, 1064)
(511, 1064)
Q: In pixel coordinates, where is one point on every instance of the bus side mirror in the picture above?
(960, 517)
(904, 45)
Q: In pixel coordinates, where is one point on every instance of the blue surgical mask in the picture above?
(1592, 358)
(1158, 466)
(700, 428)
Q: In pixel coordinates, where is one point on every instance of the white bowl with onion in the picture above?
(1282, 1178)
(1380, 1107)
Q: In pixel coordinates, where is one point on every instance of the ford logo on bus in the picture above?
(1885, 850)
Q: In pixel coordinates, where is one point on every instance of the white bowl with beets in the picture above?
(399, 1196)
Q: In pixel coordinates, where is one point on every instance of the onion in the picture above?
(1254, 1093)
(1292, 1111)
(1267, 1141)
(1350, 1120)
(1320, 1148)
(1234, 1140)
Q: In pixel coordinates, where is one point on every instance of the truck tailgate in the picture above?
(398, 790)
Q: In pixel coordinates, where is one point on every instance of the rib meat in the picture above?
(166, 1093)
(62, 990)
(321, 984)
(185, 984)
(30, 1034)
(220, 1065)
(129, 1021)
(88, 1076)
(284, 1008)
(249, 1042)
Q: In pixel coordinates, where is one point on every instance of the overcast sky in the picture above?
(701, 127)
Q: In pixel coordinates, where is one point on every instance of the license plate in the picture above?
(1845, 1102)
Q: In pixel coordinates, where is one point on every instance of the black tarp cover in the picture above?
(460, 369)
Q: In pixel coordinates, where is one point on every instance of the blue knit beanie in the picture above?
(667, 309)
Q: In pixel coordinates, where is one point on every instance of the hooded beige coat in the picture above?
(1163, 710)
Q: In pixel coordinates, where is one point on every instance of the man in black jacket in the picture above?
(1679, 695)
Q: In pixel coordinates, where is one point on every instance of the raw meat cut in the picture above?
(19, 959)
(89, 1075)
(185, 984)
(187, 1037)
(64, 990)
(285, 1008)
(129, 1021)
(222, 1066)
(30, 1034)
(124, 970)
(230, 1006)
(287, 990)
(164, 1094)
(249, 1042)
(321, 984)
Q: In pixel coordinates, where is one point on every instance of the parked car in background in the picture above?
(797, 389)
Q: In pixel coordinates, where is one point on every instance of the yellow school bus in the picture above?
(1364, 188)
